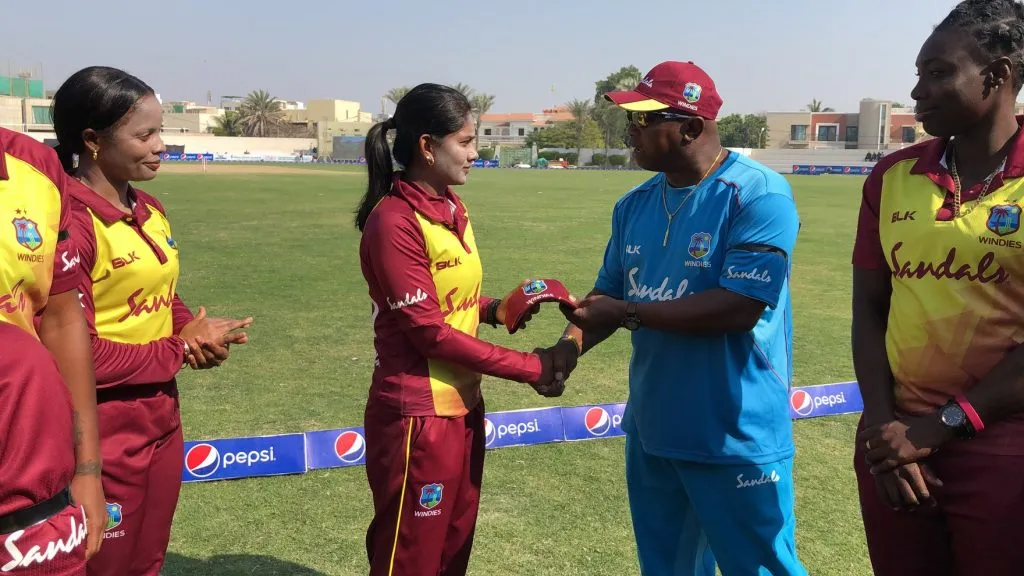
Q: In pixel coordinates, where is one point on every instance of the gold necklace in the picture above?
(956, 187)
(664, 199)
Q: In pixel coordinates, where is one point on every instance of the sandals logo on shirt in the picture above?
(1004, 219)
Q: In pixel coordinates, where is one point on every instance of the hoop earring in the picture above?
(430, 160)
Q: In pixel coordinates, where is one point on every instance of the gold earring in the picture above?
(430, 160)
(94, 153)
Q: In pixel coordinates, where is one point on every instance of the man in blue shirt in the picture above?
(697, 267)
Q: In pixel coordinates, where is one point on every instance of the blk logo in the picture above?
(903, 216)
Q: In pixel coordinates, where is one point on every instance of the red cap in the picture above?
(683, 86)
(532, 293)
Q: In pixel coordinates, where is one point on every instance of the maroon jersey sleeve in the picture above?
(396, 253)
(182, 315)
(485, 302)
(118, 363)
(66, 263)
(867, 249)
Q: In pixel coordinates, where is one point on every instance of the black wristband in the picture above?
(492, 312)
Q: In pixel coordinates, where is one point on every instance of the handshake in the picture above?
(557, 363)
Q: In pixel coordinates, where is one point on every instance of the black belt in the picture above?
(22, 519)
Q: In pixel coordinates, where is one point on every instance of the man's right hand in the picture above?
(906, 487)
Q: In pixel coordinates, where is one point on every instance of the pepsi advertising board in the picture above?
(478, 163)
(523, 427)
(590, 422)
(244, 457)
(825, 400)
(817, 170)
(335, 448)
(183, 157)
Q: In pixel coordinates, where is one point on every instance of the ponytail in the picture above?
(67, 158)
(379, 168)
(430, 109)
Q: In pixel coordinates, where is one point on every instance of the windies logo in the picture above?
(700, 245)
(534, 287)
(691, 92)
(1004, 219)
(27, 233)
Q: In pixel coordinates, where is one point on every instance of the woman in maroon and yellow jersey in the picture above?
(50, 485)
(424, 419)
(938, 313)
(142, 334)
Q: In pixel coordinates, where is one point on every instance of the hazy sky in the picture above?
(764, 55)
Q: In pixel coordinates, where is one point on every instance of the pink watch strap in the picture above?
(971, 413)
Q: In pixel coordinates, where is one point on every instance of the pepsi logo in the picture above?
(202, 460)
(801, 402)
(796, 168)
(489, 432)
(350, 447)
(597, 421)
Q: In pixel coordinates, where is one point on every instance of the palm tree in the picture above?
(465, 89)
(816, 106)
(396, 94)
(260, 114)
(580, 110)
(611, 119)
(227, 125)
(481, 105)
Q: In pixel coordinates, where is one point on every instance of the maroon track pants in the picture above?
(977, 528)
(143, 455)
(425, 474)
(55, 547)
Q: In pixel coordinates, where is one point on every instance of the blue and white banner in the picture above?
(590, 422)
(335, 448)
(231, 458)
(186, 157)
(825, 400)
(244, 457)
(819, 169)
(523, 427)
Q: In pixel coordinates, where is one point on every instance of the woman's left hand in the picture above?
(893, 444)
(214, 348)
(500, 313)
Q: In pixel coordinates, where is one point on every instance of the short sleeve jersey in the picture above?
(718, 399)
(39, 256)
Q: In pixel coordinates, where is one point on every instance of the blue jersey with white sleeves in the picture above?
(716, 399)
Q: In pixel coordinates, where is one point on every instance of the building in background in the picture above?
(512, 129)
(878, 125)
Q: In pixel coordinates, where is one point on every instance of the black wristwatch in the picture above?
(954, 418)
(632, 320)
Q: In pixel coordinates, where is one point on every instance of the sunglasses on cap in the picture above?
(643, 119)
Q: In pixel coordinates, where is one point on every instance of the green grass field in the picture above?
(282, 249)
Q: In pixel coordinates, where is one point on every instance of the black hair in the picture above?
(97, 97)
(997, 26)
(430, 109)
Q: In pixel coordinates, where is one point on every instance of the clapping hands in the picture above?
(209, 339)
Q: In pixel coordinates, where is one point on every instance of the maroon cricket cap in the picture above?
(530, 294)
(683, 86)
